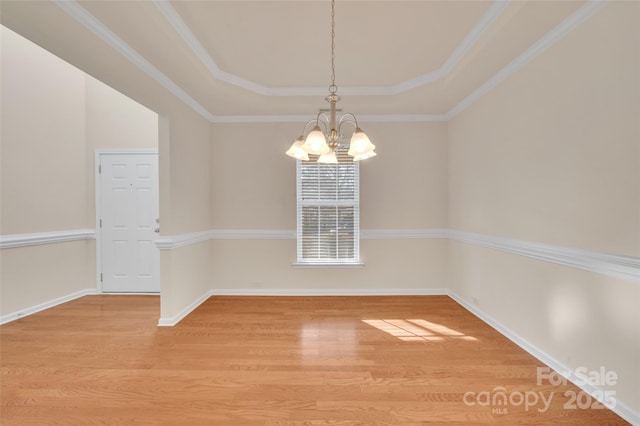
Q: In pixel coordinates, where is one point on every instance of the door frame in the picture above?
(98, 193)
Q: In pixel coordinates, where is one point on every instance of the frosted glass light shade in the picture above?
(296, 150)
(329, 158)
(316, 143)
(360, 144)
(364, 156)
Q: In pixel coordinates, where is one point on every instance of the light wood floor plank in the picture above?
(269, 361)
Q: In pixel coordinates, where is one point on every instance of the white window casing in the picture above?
(328, 195)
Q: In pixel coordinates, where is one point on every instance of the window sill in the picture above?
(323, 265)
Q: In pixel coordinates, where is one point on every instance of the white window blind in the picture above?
(328, 210)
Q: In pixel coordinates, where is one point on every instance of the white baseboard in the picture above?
(46, 305)
(332, 292)
(170, 322)
(621, 408)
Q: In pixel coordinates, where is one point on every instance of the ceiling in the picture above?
(270, 60)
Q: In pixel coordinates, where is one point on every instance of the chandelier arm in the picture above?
(323, 115)
(323, 122)
(304, 129)
(332, 135)
(345, 119)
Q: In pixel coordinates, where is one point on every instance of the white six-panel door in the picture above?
(128, 212)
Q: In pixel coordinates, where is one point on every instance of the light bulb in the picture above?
(364, 156)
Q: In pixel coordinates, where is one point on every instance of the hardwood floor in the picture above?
(272, 361)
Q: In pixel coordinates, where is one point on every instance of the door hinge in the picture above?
(100, 276)
(100, 223)
(99, 168)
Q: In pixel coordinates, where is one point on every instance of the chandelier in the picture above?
(326, 136)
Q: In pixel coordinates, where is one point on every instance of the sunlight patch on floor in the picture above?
(417, 330)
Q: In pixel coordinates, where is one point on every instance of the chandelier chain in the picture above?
(324, 142)
(333, 88)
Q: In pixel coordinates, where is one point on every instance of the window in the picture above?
(328, 211)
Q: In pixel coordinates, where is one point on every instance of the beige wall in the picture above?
(188, 173)
(185, 207)
(34, 275)
(43, 150)
(402, 188)
(43, 174)
(252, 181)
(185, 277)
(114, 122)
(390, 265)
(579, 318)
(552, 155)
(54, 118)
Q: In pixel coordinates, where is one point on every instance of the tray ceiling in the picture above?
(272, 58)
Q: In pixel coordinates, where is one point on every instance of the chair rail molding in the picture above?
(383, 234)
(176, 241)
(624, 267)
(617, 266)
(38, 238)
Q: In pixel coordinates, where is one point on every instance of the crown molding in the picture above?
(174, 19)
(494, 11)
(90, 22)
(565, 27)
(372, 118)
(38, 238)
(73, 8)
